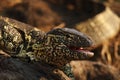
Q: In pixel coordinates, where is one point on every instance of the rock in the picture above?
(16, 69)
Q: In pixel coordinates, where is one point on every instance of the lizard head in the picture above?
(62, 45)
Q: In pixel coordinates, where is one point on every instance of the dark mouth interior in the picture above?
(81, 48)
(77, 48)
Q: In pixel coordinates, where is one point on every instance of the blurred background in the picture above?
(98, 19)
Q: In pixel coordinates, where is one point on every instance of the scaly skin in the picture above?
(22, 40)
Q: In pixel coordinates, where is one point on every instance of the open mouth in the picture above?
(85, 50)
